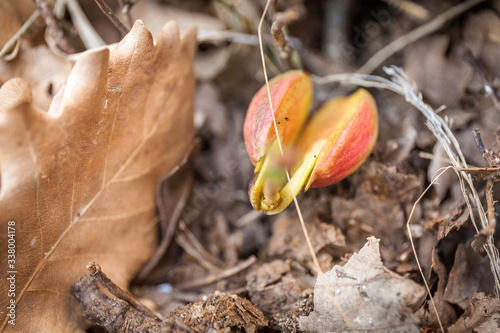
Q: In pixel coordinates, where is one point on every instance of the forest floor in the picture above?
(239, 269)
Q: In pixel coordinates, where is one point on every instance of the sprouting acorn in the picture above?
(291, 95)
(331, 146)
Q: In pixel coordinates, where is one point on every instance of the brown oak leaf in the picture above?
(79, 181)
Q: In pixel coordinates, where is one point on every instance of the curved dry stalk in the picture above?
(297, 207)
(311, 249)
(87, 33)
(400, 43)
(10, 43)
(400, 84)
(408, 223)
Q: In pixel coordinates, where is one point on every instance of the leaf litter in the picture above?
(103, 134)
(217, 233)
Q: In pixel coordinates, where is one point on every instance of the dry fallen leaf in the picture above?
(79, 181)
(372, 297)
(469, 275)
(218, 313)
(288, 242)
(274, 287)
(45, 71)
(442, 80)
(482, 315)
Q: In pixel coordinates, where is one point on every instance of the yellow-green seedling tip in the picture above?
(334, 143)
(291, 95)
(268, 180)
(300, 177)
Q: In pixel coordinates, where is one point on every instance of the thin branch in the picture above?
(479, 142)
(217, 276)
(296, 203)
(412, 9)
(188, 241)
(89, 36)
(397, 45)
(491, 204)
(10, 43)
(112, 17)
(96, 272)
(53, 27)
(216, 36)
(280, 20)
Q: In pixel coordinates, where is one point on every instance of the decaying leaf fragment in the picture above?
(219, 313)
(373, 298)
(482, 315)
(79, 181)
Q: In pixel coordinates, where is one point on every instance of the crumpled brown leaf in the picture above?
(288, 241)
(275, 287)
(482, 315)
(442, 80)
(469, 275)
(80, 180)
(371, 296)
(219, 313)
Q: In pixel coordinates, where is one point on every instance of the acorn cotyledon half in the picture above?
(328, 148)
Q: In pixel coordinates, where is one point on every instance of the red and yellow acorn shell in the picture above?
(331, 146)
(291, 94)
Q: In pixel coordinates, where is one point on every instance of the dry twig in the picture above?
(397, 45)
(53, 27)
(96, 272)
(188, 241)
(218, 275)
(112, 17)
(114, 314)
(279, 21)
(87, 33)
(411, 8)
(7, 47)
(296, 203)
(492, 160)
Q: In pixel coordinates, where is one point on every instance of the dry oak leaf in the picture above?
(45, 70)
(79, 181)
(373, 298)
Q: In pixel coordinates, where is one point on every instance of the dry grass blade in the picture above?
(397, 45)
(401, 85)
(296, 203)
(86, 31)
(6, 48)
(408, 228)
